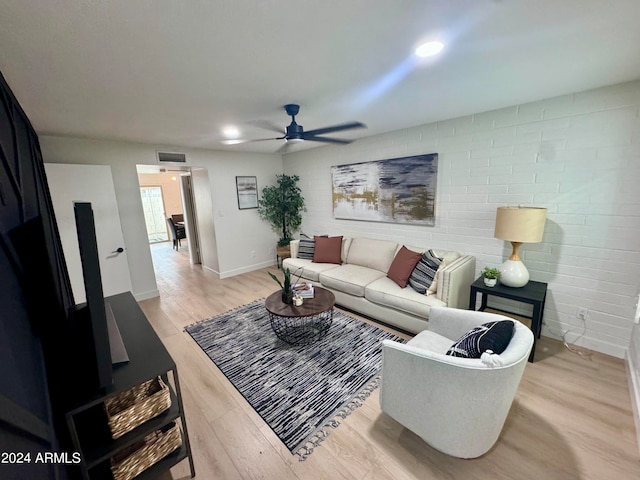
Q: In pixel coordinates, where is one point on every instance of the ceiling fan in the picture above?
(295, 133)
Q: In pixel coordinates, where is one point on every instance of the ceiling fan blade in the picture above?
(266, 125)
(239, 141)
(335, 128)
(313, 138)
(264, 139)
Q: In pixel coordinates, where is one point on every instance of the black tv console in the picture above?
(148, 359)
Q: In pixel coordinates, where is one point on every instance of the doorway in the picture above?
(168, 193)
(154, 213)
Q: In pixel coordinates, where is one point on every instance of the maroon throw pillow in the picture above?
(327, 250)
(402, 266)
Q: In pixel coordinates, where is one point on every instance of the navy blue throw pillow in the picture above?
(494, 336)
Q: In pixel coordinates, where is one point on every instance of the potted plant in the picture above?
(491, 276)
(285, 285)
(282, 205)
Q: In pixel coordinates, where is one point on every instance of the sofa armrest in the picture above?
(454, 282)
(294, 247)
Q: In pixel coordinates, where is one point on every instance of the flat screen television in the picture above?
(90, 319)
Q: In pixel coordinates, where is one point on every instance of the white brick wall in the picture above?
(577, 155)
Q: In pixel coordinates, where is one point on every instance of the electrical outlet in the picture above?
(253, 254)
(582, 313)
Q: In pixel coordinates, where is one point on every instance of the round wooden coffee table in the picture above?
(304, 324)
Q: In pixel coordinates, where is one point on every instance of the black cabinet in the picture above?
(148, 359)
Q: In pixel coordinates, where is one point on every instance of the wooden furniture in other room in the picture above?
(178, 233)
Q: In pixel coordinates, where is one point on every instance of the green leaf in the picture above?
(276, 279)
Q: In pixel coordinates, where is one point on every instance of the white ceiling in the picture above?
(175, 73)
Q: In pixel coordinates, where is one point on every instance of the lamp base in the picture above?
(513, 273)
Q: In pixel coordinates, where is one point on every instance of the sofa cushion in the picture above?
(306, 268)
(327, 250)
(371, 253)
(387, 293)
(351, 279)
(494, 336)
(402, 266)
(425, 272)
(306, 248)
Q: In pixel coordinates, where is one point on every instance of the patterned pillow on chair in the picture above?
(494, 336)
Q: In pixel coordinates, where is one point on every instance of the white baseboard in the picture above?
(204, 267)
(146, 295)
(247, 269)
(634, 391)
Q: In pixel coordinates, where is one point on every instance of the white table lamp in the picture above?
(518, 225)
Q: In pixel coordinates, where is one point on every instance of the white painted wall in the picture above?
(238, 232)
(578, 155)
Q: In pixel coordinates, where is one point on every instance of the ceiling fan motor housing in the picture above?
(294, 131)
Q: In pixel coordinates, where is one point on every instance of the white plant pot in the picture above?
(490, 282)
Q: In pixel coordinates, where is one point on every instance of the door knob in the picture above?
(119, 250)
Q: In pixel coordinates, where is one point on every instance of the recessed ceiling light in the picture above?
(231, 132)
(429, 49)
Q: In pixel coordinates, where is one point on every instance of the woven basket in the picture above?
(129, 409)
(143, 454)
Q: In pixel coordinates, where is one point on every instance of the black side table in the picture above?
(533, 293)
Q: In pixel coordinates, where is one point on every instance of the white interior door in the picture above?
(89, 183)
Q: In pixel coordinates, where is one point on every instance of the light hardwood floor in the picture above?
(571, 418)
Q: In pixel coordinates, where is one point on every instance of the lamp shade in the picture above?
(520, 224)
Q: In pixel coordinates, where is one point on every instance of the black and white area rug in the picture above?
(300, 391)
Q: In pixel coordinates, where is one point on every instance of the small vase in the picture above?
(287, 297)
(490, 282)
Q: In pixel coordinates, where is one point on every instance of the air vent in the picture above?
(171, 157)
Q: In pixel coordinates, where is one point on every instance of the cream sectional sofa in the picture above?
(360, 283)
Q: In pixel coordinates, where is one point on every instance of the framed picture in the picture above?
(397, 190)
(247, 188)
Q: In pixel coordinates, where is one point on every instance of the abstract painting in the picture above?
(247, 189)
(397, 190)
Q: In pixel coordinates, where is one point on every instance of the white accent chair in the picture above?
(456, 405)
